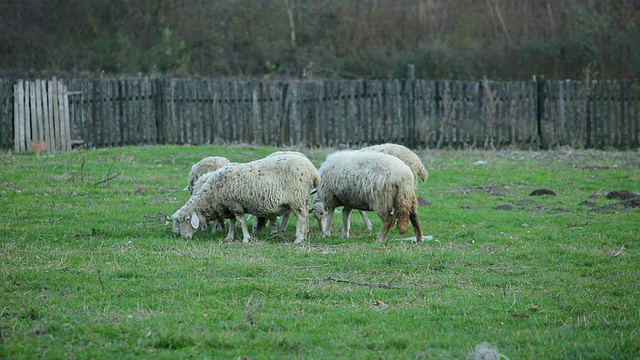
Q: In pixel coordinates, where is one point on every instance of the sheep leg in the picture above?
(284, 221)
(273, 222)
(320, 214)
(219, 225)
(326, 232)
(302, 225)
(387, 223)
(259, 224)
(346, 221)
(366, 220)
(232, 229)
(243, 224)
(321, 219)
(417, 229)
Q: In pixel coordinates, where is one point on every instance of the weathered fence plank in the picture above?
(6, 114)
(19, 115)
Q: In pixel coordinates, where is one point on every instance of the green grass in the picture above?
(89, 267)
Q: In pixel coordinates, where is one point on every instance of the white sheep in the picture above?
(199, 169)
(265, 188)
(206, 165)
(261, 222)
(369, 181)
(219, 225)
(407, 156)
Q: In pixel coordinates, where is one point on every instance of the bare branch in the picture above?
(107, 179)
(378, 285)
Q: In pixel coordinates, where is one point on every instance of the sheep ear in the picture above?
(195, 220)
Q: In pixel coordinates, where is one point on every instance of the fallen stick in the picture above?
(107, 179)
(378, 285)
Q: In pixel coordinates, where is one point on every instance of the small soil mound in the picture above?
(542, 192)
(588, 203)
(423, 202)
(635, 202)
(506, 207)
(606, 207)
(621, 195)
(493, 189)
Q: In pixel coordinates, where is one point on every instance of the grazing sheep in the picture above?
(206, 165)
(405, 154)
(369, 181)
(265, 188)
(199, 169)
(219, 225)
(260, 223)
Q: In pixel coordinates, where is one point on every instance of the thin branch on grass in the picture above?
(378, 285)
(611, 253)
(81, 170)
(311, 267)
(108, 178)
(158, 217)
(248, 318)
(138, 187)
(100, 279)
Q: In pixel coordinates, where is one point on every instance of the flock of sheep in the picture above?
(381, 178)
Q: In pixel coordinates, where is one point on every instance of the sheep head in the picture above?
(186, 224)
(320, 212)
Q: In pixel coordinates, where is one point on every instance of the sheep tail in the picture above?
(406, 202)
(403, 223)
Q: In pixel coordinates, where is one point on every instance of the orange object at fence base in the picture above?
(38, 145)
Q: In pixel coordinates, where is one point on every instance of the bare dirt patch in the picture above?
(622, 195)
(540, 192)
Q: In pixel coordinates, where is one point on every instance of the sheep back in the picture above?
(406, 155)
(206, 165)
(267, 186)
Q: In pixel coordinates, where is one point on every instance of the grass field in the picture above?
(90, 269)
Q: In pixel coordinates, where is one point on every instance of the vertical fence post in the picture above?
(412, 129)
(541, 96)
(284, 119)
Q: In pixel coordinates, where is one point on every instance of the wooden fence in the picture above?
(534, 114)
(41, 116)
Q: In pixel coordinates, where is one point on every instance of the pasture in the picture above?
(89, 267)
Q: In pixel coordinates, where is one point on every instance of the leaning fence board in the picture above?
(47, 122)
(6, 114)
(117, 104)
(18, 117)
(33, 115)
(39, 131)
(65, 135)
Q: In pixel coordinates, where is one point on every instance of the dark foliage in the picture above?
(458, 39)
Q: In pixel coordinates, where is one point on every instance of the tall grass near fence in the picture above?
(90, 269)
